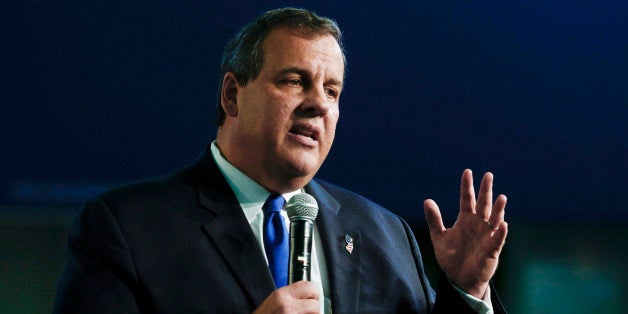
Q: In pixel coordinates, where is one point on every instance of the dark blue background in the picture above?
(98, 93)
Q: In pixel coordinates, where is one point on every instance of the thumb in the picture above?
(433, 217)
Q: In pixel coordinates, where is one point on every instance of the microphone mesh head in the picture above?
(302, 206)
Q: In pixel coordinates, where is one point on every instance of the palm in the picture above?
(468, 252)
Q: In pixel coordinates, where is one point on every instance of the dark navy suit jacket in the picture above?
(181, 244)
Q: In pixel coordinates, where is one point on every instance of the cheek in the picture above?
(332, 120)
(276, 105)
(330, 127)
(262, 110)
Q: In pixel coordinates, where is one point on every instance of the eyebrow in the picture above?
(304, 72)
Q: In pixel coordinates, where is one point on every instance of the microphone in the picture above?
(302, 210)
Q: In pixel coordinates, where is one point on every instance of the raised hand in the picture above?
(468, 252)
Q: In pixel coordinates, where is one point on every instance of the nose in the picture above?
(316, 103)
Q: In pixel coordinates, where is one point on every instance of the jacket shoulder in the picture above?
(356, 203)
(149, 188)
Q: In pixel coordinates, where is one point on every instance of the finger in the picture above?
(485, 198)
(308, 307)
(499, 210)
(467, 195)
(499, 237)
(302, 290)
(299, 297)
(307, 298)
(433, 218)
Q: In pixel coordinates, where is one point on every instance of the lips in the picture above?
(306, 130)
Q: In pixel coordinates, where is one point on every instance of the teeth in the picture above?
(306, 135)
(300, 132)
(303, 131)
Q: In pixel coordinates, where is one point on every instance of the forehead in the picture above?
(287, 47)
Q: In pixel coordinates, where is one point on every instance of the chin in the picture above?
(304, 166)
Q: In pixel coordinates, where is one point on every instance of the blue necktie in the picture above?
(276, 239)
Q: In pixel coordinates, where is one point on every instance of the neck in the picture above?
(273, 180)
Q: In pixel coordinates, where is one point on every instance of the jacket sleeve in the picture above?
(99, 276)
(448, 300)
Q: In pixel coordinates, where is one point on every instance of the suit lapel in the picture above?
(343, 266)
(230, 233)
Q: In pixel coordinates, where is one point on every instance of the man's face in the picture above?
(286, 117)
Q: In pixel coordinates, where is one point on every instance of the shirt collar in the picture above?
(249, 193)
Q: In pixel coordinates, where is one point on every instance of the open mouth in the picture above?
(306, 130)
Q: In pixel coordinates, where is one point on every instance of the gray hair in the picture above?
(243, 54)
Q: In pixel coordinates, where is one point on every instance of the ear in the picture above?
(228, 94)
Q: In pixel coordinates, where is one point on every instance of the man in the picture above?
(194, 242)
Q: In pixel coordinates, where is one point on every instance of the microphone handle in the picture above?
(300, 250)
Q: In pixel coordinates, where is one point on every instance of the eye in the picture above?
(331, 92)
(293, 82)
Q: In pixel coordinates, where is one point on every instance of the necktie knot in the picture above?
(274, 203)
